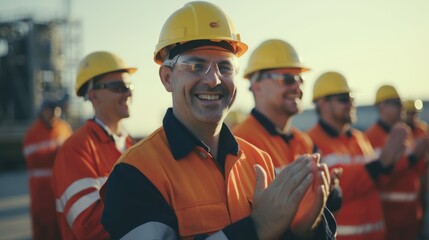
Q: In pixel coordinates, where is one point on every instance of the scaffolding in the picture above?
(37, 58)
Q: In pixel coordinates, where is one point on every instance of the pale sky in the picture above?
(371, 42)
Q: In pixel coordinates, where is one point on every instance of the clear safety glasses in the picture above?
(285, 78)
(200, 68)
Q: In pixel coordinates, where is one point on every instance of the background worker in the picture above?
(86, 158)
(191, 177)
(343, 146)
(274, 72)
(400, 196)
(420, 129)
(41, 143)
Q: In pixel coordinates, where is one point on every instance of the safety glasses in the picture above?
(200, 68)
(394, 102)
(116, 86)
(341, 98)
(285, 78)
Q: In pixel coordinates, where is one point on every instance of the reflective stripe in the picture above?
(217, 236)
(48, 144)
(81, 205)
(334, 159)
(151, 230)
(76, 187)
(378, 152)
(359, 229)
(398, 196)
(40, 172)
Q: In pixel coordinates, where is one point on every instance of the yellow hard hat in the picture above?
(98, 63)
(271, 54)
(330, 83)
(386, 92)
(197, 21)
(413, 105)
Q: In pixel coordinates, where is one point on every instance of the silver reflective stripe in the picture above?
(81, 205)
(76, 187)
(334, 159)
(343, 230)
(378, 152)
(217, 236)
(49, 144)
(398, 196)
(40, 172)
(151, 230)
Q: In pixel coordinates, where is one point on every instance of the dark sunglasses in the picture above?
(394, 102)
(344, 98)
(285, 78)
(117, 86)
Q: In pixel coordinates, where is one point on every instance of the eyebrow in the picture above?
(199, 59)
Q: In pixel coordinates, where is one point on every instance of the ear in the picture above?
(165, 76)
(92, 96)
(255, 88)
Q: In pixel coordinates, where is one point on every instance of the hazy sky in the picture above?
(370, 42)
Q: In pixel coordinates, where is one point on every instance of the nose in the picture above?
(212, 77)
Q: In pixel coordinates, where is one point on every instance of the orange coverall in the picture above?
(400, 196)
(282, 148)
(81, 168)
(360, 217)
(41, 144)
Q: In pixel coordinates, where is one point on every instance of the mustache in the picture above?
(217, 89)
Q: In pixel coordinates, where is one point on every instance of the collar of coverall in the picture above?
(182, 141)
(270, 127)
(331, 131)
(384, 125)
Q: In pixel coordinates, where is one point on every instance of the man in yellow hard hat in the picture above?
(400, 197)
(87, 157)
(412, 110)
(191, 178)
(274, 72)
(360, 216)
(419, 129)
(41, 143)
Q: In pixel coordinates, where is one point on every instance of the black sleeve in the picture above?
(132, 200)
(412, 159)
(325, 231)
(335, 199)
(375, 168)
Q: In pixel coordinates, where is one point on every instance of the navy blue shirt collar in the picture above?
(269, 126)
(384, 125)
(331, 131)
(182, 141)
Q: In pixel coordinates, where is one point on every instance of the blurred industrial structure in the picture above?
(37, 58)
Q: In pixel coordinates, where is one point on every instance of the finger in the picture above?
(302, 162)
(261, 180)
(298, 192)
(326, 173)
(316, 157)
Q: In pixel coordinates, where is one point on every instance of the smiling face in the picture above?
(111, 105)
(202, 83)
(278, 92)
